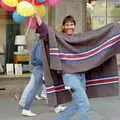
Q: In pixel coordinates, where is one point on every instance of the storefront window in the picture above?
(102, 12)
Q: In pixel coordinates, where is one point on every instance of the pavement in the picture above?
(107, 108)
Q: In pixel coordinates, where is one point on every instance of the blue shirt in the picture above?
(36, 56)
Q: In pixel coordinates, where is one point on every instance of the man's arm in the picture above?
(42, 28)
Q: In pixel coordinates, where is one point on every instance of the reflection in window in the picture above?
(104, 12)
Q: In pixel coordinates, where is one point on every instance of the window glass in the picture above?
(102, 12)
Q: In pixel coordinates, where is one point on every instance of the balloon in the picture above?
(41, 10)
(41, 0)
(36, 2)
(10, 3)
(18, 18)
(6, 7)
(31, 22)
(25, 8)
(25, 0)
(53, 2)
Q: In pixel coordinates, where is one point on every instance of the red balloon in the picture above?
(38, 3)
(6, 7)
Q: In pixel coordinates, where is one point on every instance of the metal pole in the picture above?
(106, 12)
(84, 20)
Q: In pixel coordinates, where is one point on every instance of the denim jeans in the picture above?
(32, 87)
(41, 90)
(80, 103)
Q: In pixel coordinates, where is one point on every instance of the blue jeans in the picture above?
(41, 89)
(32, 87)
(80, 103)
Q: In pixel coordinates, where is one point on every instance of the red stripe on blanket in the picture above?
(102, 81)
(82, 55)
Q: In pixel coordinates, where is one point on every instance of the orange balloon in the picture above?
(41, 10)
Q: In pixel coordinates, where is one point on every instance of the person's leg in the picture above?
(26, 91)
(44, 92)
(81, 99)
(38, 73)
(40, 90)
(83, 81)
(79, 102)
(41, 94)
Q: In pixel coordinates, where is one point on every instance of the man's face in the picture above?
(93, 3)
(69, 28)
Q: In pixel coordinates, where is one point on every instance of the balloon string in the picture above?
(29, 24)
(30, 21)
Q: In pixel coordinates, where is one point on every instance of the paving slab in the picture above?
(107, 108)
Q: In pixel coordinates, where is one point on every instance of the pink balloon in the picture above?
(31, 22)
(53, 2)
(6, 7)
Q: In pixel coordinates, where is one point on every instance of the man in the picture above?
(76, 81)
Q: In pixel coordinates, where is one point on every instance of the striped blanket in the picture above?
(92, 52)
(85, 51)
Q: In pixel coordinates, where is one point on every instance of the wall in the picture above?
(75, 8)
(2, 34)
(2, 27)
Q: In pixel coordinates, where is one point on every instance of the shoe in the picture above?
(28, 113)
(37, 97)
(59, 108)
(44, 96)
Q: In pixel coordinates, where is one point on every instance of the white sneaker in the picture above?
(37, 97)
(59, 108)
(28, 113)
(44, 96)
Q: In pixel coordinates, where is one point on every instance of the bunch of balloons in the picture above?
(24, 9)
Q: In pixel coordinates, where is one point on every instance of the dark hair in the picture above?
(89, 1)
(69, 18)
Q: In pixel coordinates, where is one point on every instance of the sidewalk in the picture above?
(102, 109)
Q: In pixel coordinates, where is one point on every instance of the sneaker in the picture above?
(37, 97)
(44, 96)
(28, 113)
(59, 108)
